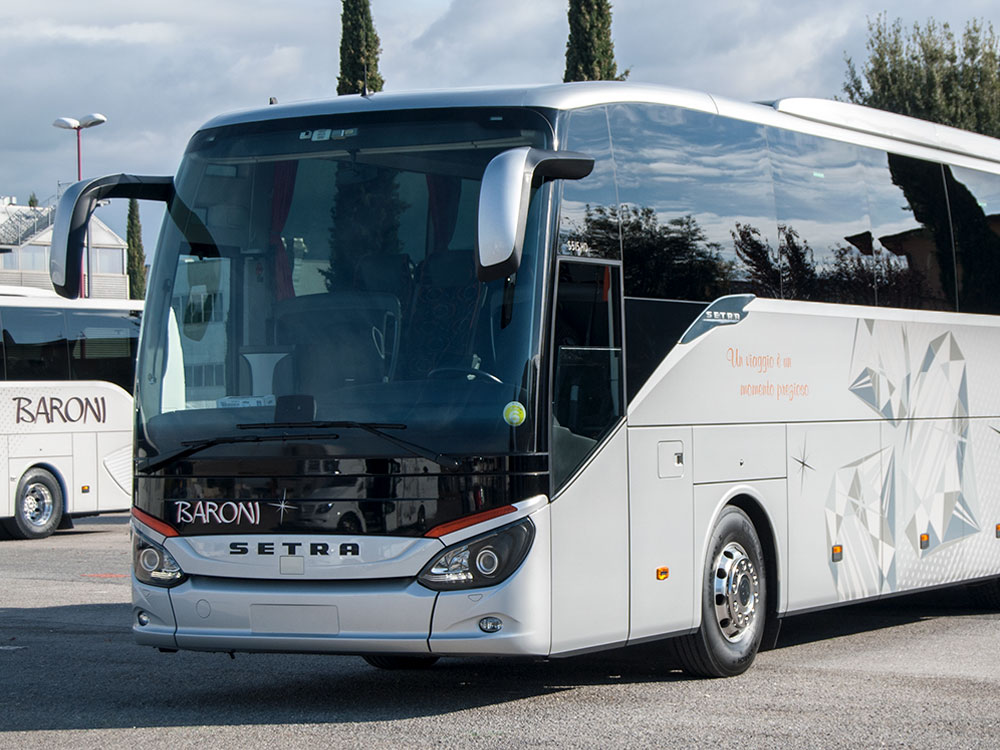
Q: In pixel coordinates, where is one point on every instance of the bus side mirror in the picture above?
(503, 202)
(69, 233)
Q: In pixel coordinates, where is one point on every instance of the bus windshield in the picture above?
(319, 274)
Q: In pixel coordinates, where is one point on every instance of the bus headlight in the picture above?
(485, 560)
(153, 564)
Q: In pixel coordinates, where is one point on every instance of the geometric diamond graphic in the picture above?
(927, 482)
(854, 520)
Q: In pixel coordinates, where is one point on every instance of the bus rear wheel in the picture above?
(39, 506)
(395, 661)
(733, 601)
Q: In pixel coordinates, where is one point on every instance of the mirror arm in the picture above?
(69, 233)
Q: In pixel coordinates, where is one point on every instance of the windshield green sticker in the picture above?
(514, 414)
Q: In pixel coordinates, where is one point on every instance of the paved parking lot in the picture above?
(920, 671)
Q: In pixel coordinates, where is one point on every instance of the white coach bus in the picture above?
(546, 370)
(67, 411)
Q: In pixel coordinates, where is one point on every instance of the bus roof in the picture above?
(791, 113)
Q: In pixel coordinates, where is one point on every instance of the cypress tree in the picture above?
(359, 49)
(590, 53)
(365, 214)
(136, 256)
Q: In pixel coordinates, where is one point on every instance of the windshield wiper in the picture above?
(190, 447)
(375, 428)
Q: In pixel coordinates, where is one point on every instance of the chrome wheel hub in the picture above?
(737, 591)
(38, 504)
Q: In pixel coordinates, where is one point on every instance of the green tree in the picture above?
(366, 209)
(359, 50)
(590, 53)
(136, 255)
(928, 73)
(32, 201)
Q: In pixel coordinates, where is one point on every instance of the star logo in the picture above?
(803, 463)
(282, 507)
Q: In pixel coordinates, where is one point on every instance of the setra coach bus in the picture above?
(545, 370)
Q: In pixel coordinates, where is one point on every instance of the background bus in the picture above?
(66, 403)
(654, 364)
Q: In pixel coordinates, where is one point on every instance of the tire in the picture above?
(391, 661)
(733, 602)
(39, 506)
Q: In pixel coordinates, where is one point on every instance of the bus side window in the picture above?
(974, 199)
(102, 345)
(35, 344)
(587, 362)
(824, 229)
(588, 222)
(911, 232)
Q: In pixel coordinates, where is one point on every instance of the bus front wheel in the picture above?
(733, 601)
(39, 506)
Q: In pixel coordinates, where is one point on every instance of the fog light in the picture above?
(491, 624)
(143, 619)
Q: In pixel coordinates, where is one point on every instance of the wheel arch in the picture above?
(769, 544)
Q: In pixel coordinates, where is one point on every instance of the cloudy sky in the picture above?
(158, 70)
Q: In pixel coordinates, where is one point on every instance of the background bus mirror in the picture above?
(503, 202)
(69, 234)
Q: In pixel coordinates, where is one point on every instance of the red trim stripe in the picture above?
(155, 523)
(463, 523)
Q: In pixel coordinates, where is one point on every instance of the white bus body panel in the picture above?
(590, 558)
(890, 414)
(661, 515)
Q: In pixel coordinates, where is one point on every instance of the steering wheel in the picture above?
(437, 371)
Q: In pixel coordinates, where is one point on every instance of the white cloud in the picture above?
(34, 31)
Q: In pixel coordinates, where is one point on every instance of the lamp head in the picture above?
(94, 118)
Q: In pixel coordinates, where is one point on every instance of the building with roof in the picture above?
(25, 239)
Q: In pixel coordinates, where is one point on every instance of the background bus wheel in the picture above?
(39, 506)
(390, 661)
(734, 602)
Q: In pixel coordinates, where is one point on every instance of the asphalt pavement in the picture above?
(919, 671)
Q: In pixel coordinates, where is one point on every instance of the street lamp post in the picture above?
(70, 123)
(87, 121)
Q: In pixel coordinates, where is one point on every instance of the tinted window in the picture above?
(974, 199)
(102, 346)
(587, 377)
(695, 189)
(588, 223)
(35, 344)
(911, 232)
(824, 234)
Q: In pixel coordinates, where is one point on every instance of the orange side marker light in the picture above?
(662, 574)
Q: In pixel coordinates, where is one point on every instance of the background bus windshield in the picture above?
(321, 270)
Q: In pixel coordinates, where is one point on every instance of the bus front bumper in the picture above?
(396, 616)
